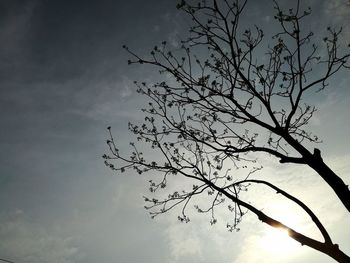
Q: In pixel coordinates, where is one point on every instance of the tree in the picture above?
(223, 105)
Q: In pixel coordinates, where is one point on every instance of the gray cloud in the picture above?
(29, 242)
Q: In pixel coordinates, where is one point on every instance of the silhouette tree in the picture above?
(224, 104)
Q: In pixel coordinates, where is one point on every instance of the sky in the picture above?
(64, 78)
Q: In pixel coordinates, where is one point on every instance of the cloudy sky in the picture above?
(64, 79)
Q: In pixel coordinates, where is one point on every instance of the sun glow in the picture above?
(277, 240)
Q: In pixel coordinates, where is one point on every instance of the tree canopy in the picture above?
(229, 96)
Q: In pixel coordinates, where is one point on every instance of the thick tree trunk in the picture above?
(335, 253)
(315, 162)
(333, 180)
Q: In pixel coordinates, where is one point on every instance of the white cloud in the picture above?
(126, 90)
(106, 100)
(183, 243)
(174, 39)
